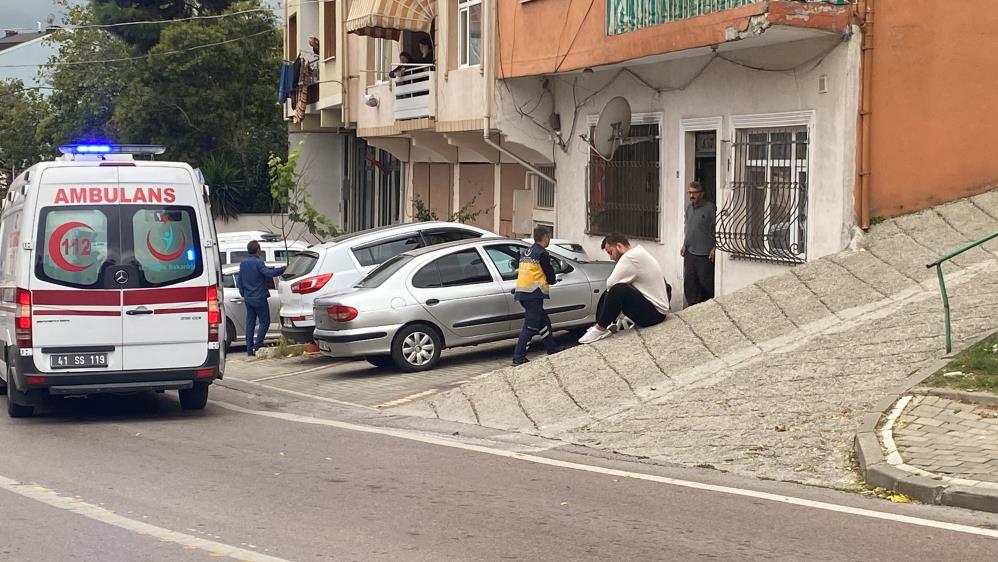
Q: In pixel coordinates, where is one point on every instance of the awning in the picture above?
(388, 18)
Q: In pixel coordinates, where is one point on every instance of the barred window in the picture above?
(543, 189)
(765, 215)
(624, 192)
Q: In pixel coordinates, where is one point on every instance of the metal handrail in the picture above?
(938, 264)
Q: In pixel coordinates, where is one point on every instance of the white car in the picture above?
(232, 246)
(342, 262)
(565, 249)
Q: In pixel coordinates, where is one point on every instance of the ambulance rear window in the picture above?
(166, 245)
(73, 245)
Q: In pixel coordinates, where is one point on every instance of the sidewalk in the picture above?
(771, 381)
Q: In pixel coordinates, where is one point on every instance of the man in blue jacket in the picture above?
(535, 275)
(254, 286)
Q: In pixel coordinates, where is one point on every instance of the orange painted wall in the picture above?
(547, 36)
(935, 88)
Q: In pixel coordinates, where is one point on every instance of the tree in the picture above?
(290, 193)
(21, 141)
(84, 95)
(225, 182)
(212, 101)
(145, 37)
(422, 213)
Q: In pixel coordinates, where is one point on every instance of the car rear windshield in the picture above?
(384, 272)
(301, 264)
(82, 246)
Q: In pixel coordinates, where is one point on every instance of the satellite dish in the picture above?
(612, 128)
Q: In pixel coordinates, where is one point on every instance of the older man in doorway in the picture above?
(698, 247)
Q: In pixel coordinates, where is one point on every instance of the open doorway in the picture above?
(705, 163)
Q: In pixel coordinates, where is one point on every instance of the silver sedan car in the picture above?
(418, 303)
(235, 307)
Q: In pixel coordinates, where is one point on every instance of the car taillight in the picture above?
(340, 313)
(214, 314)
(311, 285)
(22, 329)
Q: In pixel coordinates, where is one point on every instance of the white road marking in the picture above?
(293, 373)
(300, 394)
(97, 513)
(433, 440)
(406, 399)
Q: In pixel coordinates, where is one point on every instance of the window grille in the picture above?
(624, 192)
(765, 215)
(543, 189)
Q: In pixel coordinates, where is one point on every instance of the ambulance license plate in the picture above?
(79, 360)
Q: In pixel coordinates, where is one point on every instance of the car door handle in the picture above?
(138, 311)
(432, 302)
(236, 300)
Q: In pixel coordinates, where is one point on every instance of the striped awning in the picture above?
(388, 18)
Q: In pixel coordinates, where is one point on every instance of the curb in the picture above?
(878, 471)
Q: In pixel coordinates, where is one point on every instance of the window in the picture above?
(384, 271)
(382, 251)
(329, 29)
(74, 245)
(285, 255)
(435, 237)
(469, 32)
(460, 268)
(506, 259)
(543, 189)
(300, 265)
(166, 245)
(382, 59)
(765, 218)
(237, 257)
(229, 281)
(624, 192)
(293, 37)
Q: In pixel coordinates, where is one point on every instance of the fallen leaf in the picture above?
(781, 427)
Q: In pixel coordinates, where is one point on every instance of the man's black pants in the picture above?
(698, 279)
(624, 298)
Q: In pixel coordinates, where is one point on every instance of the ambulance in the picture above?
(110, 279)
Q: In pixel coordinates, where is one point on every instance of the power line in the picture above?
(146, 22)
(128, 59)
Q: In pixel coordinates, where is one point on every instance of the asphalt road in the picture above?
(300, 491)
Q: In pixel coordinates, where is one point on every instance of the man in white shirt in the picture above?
(635, 288)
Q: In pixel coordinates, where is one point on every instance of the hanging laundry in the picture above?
(302, 99)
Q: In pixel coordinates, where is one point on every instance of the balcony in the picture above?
(414, 95)
(628, 15)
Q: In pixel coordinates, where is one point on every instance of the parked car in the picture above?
(566, 249)
(343, 261)
(416, 304)
(235, 307)
(232, 246)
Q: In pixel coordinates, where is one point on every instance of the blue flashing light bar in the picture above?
(105, 148)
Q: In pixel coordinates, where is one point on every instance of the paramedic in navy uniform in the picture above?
(254, 286)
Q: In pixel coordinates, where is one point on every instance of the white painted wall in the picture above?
(723, 90)
(321, 164)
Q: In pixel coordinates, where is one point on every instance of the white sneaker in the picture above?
(594, 334)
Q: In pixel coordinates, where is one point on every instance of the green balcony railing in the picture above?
(627, 15)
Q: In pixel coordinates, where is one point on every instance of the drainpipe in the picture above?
(865, 116)
(488, 91)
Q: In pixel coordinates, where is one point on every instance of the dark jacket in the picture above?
(255, 279)
(535, 274)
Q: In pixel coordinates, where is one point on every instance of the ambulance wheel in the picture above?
(230, 334)
(16, 408)
(194, 398)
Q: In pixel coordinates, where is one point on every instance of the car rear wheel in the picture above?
(416, 348)
(16, 407)
(194, 398)
(382, 361)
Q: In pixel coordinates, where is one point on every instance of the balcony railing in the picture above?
(414, 96)
(627, 15)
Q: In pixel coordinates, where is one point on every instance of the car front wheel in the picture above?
(416, 348)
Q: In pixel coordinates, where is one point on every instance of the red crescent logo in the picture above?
(166, 257)
(56, 253)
